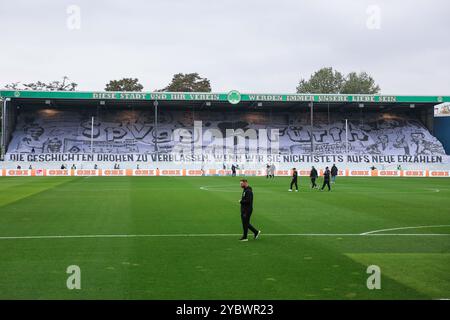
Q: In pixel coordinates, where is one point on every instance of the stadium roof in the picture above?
(233, 97)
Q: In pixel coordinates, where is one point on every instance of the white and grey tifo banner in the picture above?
(124, 132)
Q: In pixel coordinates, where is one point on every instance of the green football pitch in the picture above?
(177, 238)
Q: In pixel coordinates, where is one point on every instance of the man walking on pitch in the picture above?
(233, 170)
(334, 173)
(246, 210)
(313, 175)
(294, 180)
(326, 179)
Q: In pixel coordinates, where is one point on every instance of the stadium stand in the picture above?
(123, 131)
(68, 130)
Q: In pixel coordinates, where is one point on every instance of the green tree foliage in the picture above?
(327, 80)
(125, 84)
(189, 82)
(64, 85)
(361, 83)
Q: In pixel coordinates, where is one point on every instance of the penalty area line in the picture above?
(404, 228)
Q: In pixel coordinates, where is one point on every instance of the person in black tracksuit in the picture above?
(326, 179)
(233, 170)
(313, 175)
(334, 173)
(246, 210)
(294, 180)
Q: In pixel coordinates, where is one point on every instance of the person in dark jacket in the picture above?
(233, 170)
(313, 175)
(334, 173)
(294, 180)
(326, 179)
(246, 210)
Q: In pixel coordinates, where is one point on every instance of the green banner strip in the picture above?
(235, 97)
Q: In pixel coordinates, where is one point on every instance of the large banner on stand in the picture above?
(53, 135)
(165, 158)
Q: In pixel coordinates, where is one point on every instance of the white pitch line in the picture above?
(216, 235)
(234, 190)
(404, 228)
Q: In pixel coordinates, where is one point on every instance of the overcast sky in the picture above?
(248, 45)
